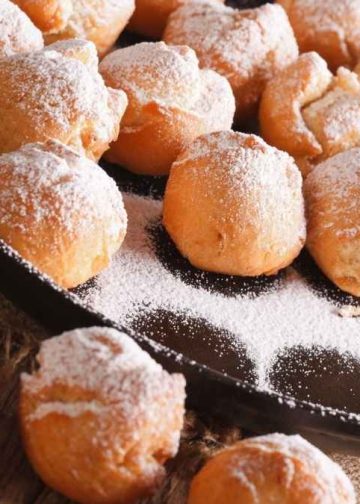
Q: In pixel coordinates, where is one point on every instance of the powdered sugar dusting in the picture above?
(64, 358)
(334, 182)
(216, 103)
(155, 72)
(72, 410)
(85, 20)
(105, 365)
(325, 480)
(75, 105)
(84, 12)
(332, 27)
(169, 76)
(241, 45)
(335, 118)
(49, 185)
(17, 32)
(259, 181)
(137, 283)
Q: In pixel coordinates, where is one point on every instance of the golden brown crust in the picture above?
(17, 33)
(75, 107)
(332, 195)
(335, 118)
(274, 468)
(218, 211)
(248, 47)
(281, 120)
(48, 15)
(150, 16)
(151, 148)
(121, 412)
(310, 113)
(100, 21)
(60, 211)
(331, 28)
(171, 102)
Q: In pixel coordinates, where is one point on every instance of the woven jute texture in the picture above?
(19, 341)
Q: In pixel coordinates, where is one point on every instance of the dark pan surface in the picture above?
(316, 396)
(316, 375)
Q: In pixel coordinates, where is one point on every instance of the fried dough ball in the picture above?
(171, 102)
(100, 21)
(248, 47)
(47, 94)
(234, 205)
(100, 417)
(271, 469)
(310, 113)
(332, 195)
(150, 16)
(331, 28)
(60, 211)
(48, 15)
(17, 33)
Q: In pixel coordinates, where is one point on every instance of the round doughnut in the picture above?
(150, 16)
(171, 102)
(310, 113)
(234, 205)
(119, 410)
(332, 195)
(100, 21)
(331, 28)
(17, 33)
(248, 47)
(60, 211)
(271, 469)
(48, 95)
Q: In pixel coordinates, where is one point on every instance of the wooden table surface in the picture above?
(19, 340)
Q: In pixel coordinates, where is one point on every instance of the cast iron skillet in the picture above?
(334, 426)
(210, 389)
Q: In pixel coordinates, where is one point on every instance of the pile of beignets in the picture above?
(235, 204)
(168, 108)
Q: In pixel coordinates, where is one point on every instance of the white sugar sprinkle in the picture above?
(290, 316)
(75, 105)
(110, 370)
(169, 76)
(331, 481)
(17, 32)
(49, 185)
(241, 45)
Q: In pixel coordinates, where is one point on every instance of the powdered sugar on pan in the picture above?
(291, 315)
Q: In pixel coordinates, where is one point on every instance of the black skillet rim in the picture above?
(235, 401)
(209, 391)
